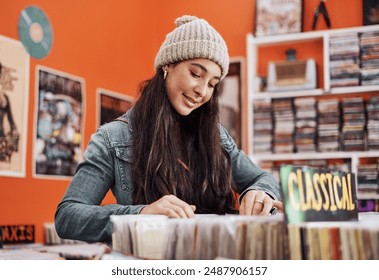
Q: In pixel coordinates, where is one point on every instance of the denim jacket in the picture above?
(106, 166)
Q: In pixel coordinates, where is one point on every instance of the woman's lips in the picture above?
(190, 101)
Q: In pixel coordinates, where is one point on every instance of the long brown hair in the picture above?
(179, 155)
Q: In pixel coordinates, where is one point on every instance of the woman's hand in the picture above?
(256, 202)
(170, 206)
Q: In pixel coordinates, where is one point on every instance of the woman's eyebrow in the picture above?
(202, 67)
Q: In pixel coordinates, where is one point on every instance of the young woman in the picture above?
(168, 154)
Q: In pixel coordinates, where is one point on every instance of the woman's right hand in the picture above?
(170, 206)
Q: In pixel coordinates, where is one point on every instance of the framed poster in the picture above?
(230, 100)
(273, 17)
(59, 124)
(370, 12)
(14, 96)
(111, 105)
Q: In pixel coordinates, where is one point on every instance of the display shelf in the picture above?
(318, 155)
(283, 94)
(363, 196)
(357, 89)
(254, 44)
(279, 39)
(305, 36)
(353, 156)
(314, 92)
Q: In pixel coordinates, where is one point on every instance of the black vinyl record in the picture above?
(35, 32)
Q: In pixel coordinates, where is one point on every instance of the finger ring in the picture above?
(258, 201)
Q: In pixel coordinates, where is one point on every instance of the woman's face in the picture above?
(191, 83)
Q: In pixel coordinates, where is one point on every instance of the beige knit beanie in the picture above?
(193, 38)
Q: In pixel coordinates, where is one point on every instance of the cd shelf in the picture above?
(328, 89)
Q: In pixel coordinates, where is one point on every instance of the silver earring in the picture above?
(164, 74)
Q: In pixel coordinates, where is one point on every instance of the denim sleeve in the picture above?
(246, 174)
(80, 215)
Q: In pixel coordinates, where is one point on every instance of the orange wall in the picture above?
(112, 45)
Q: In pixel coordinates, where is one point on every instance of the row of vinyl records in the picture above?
(307, 124)
(209, 237)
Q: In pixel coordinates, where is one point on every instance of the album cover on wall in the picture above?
(59, 123)
(14, 93)
(370, 12)
(274, 17)
(111, 105)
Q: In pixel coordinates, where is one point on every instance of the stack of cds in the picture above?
(328, 125)
(344, 60)
(262, 126)
(306, 124)
(369, 42)
(284, 125)
(354, 122)
(372, 108)
(367, 177)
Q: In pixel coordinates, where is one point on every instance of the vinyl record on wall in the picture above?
(35, 32)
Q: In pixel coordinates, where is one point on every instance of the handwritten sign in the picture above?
(318, 195)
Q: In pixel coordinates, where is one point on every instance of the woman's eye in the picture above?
(195, 75)
(211, 86)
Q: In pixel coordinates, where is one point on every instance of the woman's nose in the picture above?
(201, 89)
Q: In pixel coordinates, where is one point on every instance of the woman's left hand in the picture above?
(257, 202)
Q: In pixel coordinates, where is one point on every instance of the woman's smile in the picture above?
(190, 101)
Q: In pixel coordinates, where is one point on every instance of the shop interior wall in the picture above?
(112, 45)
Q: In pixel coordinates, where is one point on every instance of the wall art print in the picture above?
(59, 123)
(111, 105)
(273, 17)
(14, 93)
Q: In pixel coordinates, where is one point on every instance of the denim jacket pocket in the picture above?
(123, 158)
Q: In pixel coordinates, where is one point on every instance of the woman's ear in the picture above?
(165, 67)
